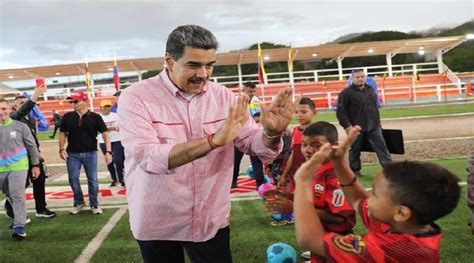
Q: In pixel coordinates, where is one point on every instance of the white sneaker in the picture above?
(96, 210)
(76, 209)
(306, 255)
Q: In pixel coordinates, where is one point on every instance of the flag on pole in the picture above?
(290, 59)
(88, 79)
(262, 75)
(116, 76)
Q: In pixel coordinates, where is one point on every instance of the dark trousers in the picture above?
(39, 188)
(56, 128)
(257, 167)
(118, 158)
(215, 250)
(377, 141)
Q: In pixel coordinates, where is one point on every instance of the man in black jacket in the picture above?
(357, 105)
(21, 112)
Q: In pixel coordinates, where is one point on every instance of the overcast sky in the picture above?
(47, 32)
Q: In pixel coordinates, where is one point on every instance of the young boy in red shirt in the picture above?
(406, 198)
(304, 114)
(328, 198)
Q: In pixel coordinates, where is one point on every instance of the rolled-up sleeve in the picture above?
(139, 138)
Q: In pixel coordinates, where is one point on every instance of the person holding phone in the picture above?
(22, 107)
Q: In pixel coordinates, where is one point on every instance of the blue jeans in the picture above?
(74, 162)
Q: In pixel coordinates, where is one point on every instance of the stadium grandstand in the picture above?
(397, 84)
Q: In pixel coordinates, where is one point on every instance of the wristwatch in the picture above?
(108, 152)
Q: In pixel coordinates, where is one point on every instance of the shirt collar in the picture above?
(172, 87)
(325, 167)
(7, 122)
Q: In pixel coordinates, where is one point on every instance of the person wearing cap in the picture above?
(22, 107)
(116, 167)
(179, 130)
(80, 127)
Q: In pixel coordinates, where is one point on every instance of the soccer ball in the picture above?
(281, 253)
(250, 172)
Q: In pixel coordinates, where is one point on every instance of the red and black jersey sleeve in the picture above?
(337, 204)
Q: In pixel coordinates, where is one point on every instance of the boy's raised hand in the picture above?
(339, 151)
(276, 116)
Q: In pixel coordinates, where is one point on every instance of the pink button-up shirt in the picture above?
(190, 202)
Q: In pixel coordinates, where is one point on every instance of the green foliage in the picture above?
(460, 30)
(150, 73)
(461, 59)
(381, 36)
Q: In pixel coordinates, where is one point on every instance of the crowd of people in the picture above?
(177, 138)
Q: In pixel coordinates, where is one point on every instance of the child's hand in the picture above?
(339, 151)
(272, 193)
(281, 181)
(279, 204)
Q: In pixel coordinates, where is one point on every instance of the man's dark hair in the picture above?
(309, 102)
(189, 35)
(322, 128)
(357, 70)
(429, 190)
(249, 84)
(20, 97)
(3, 100)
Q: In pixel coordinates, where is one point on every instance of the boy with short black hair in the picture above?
(406, 198)
(304, 114)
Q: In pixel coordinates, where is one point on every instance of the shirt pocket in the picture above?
(170, 133)
(211, 127)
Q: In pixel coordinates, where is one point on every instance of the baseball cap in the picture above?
(104, 103)
(78, 96)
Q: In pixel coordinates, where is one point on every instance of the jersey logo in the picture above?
(12, 134)
(338, 198)
(350, 244)
(318, 191)
(318, 188)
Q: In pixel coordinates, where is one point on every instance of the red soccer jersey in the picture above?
(328, 196)
(298, 157)
(381, 246)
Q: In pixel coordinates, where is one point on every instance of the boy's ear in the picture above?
(402, 214)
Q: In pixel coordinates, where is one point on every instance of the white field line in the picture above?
(95, 243)
(441, 139)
